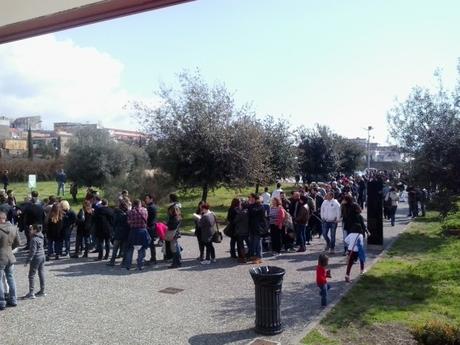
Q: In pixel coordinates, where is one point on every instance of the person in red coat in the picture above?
(322, 273)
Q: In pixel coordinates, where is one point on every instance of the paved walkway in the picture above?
(91, 303)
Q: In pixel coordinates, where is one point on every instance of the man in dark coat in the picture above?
(103, 219)
(33, 213)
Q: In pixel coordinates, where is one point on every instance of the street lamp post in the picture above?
(369, 129)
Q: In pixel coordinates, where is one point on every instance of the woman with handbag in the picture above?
(198, 231)
(208, 226)
(355, 243)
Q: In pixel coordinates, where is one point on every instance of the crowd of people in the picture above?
(270, 222)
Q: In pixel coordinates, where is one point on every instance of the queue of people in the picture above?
(271, 222)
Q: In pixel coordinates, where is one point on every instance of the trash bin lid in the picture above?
(267, 274)
(268, 270)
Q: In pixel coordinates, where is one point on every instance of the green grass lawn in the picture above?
(418, 281)
(219, 199)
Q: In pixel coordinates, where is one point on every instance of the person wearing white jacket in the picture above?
(330, 215)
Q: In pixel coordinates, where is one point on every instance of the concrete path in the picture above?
(91, 303)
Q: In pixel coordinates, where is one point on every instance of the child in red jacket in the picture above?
(322, 273)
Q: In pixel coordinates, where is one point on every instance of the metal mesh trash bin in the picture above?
(268, 281)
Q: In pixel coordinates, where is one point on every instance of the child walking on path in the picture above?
(355, 243)
(36, 259)
(322, 273)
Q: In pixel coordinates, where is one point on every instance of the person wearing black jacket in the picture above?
(231, 215)
(85, 224)
(151, 224)
(103, 219)
(32, 213)
(121, 230)
(258, 227)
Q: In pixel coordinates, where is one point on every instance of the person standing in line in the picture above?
(266, 196)
(330, 215)
(9, 240)
(277, 216)
(173, 234)
(301, 222)
(257, 227)
(139, 237)
(231, 214)
(347, 212)
(33, 213)
(241, 229)
(61, 179)
(199, 212)
(208, 226)
(55, 231)
(69, 221)
(85, 225)
(5, 180)
(36, 260)
(103, 219)
(151, 225)
(120, 233)
(393, 196)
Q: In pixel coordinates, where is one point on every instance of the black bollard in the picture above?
(375, 212)
(268, 281)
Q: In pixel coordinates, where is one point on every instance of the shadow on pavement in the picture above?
(222, 338)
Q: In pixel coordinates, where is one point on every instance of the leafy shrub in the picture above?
(445, 202)
(19, 169)
(437, 333)
(451, 224)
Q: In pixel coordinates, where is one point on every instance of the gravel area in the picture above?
(91, 303)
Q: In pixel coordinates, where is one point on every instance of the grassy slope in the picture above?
(419, 280)
(219, 199)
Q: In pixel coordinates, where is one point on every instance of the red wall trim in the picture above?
(80, 16)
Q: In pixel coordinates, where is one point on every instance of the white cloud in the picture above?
(62, 81)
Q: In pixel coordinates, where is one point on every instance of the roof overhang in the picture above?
(26, 18)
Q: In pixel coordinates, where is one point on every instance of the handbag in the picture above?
(229, 230)
(217, 236)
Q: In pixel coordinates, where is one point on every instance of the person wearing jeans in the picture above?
(9, 240)
(330, 240)
(301, 221)
(139, 237)
(255, 249)
(330, 214)
(322, 273)
(258, 227)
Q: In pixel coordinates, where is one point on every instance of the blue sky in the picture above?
(339, 63)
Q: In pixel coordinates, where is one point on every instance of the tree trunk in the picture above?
(257, 187)
(204, 196)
